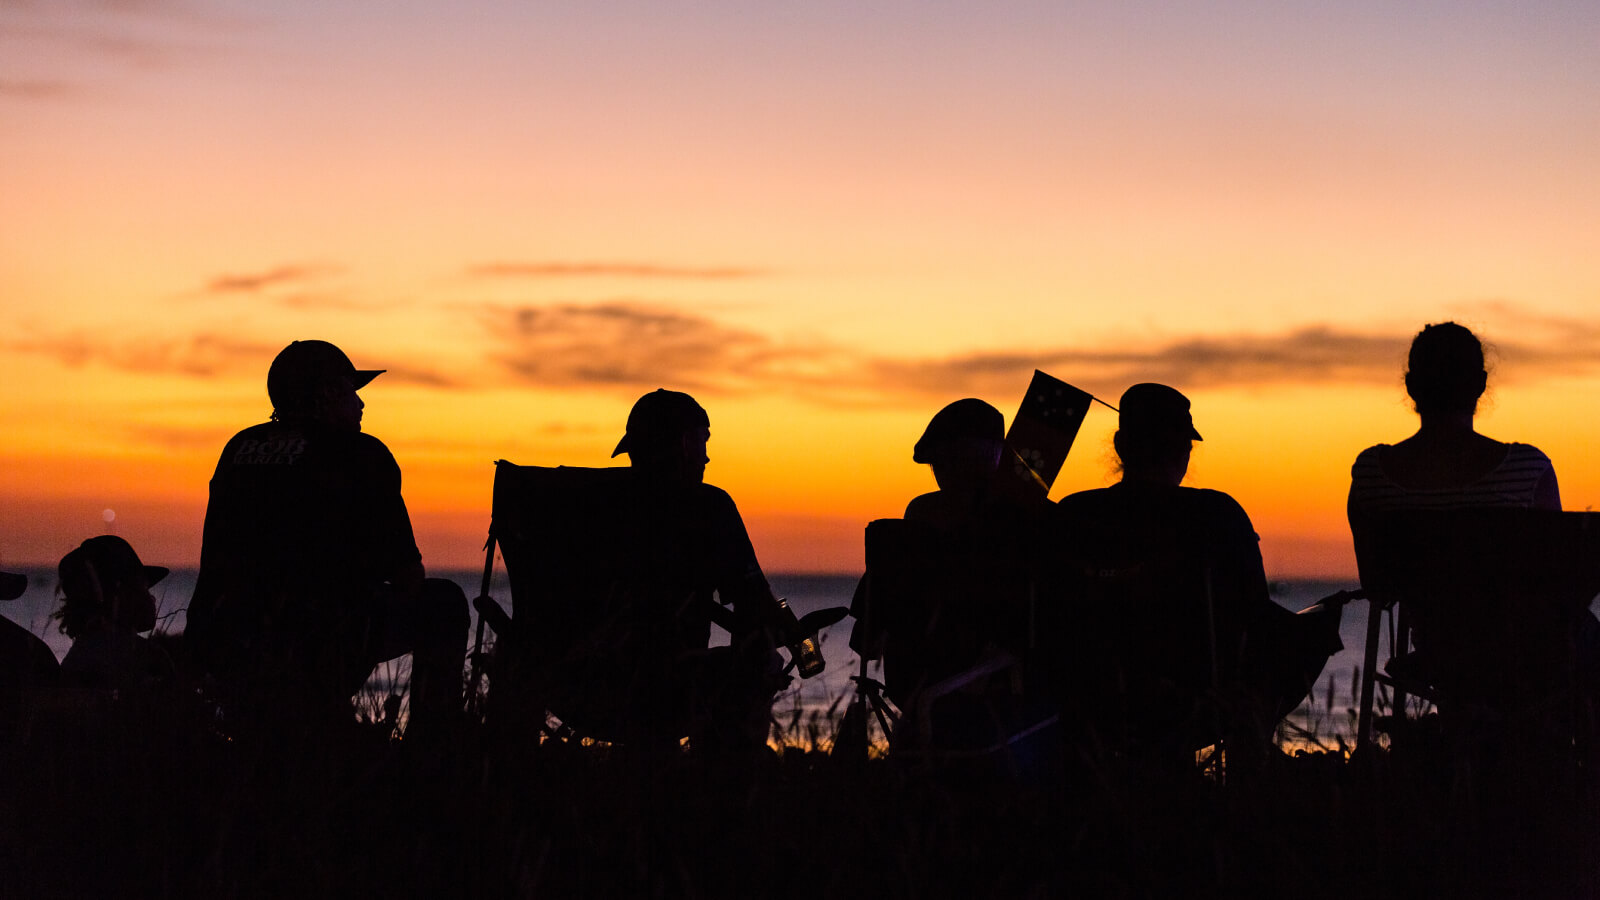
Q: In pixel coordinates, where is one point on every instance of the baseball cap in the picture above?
(966, 418)
(303, 366)
(1156, 409)
(658, 413)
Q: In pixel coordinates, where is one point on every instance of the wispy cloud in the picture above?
(637, 270)
(199, 355)
(632, 346)
(629, 344)
(203, 355)
(636, 345)
(313, 301)
(303, 287)
(422, 376)
(259, 282)
(38, 89)
(63, 49)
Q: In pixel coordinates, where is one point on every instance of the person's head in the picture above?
(104, 583)
(313, 381)
(962, 443)
(1445, 371)
(667, 434)
(1155, 433)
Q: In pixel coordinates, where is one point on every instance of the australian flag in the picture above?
(1043, 430)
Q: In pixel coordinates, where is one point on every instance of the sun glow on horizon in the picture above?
(825, 222)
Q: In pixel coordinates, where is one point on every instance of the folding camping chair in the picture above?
(597, 635)
(1157, 664)
(1484, 607)
(953, 624)
(566, 654)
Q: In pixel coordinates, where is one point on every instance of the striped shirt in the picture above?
(1511, 483)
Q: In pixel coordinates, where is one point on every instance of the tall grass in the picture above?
(148, 799)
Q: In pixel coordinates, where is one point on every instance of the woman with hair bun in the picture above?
(1447, 464)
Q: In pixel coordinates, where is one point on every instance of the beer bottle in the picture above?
(804, 649)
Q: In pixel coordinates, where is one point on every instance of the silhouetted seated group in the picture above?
(1133, 620)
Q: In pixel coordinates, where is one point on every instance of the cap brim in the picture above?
(622, 447)
(153, 574)
(12, 585)
(363, 377)
(1195, 434)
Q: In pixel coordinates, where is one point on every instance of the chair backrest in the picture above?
(556, 529)
(1144, 655)
(937, 602)
(590, 583)
(1492, 595)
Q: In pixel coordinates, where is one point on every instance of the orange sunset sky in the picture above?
(825, 220)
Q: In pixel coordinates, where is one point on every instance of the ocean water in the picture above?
(825, 694)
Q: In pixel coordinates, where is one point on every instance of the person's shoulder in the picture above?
(1368, 458)
(711, 495)
(1210, 497)
(254, 432)
(366, 443)
(1516, 452)
(1213, 506)
(924, 506)
(1085, 498)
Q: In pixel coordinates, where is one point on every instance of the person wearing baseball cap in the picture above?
(666, 435)
(1187, 645)
(689, 541)
(309, 571)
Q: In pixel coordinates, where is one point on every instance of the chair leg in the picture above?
(1369, 676)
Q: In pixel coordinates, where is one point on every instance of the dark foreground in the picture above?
(141, 808)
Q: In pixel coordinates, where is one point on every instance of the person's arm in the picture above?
(396, 543)
(739, 579)
(1546, 494)
(200, 617)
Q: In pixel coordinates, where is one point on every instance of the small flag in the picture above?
(1042, 433)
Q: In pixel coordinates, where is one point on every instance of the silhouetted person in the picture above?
(1447, 464)
(1181, 642)
(687, 544)
(309, 572)
(26, 662)
(106, 607)
(963, 595)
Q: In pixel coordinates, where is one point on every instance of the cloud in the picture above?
(39, 89)
(66, 48)
(310, 302)
(625, 343)
(638, 346)
(199, 355)
(259, 282)
(420, 376)
(203, 355)
(634, 345)
(608, 269)
(297, 286)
